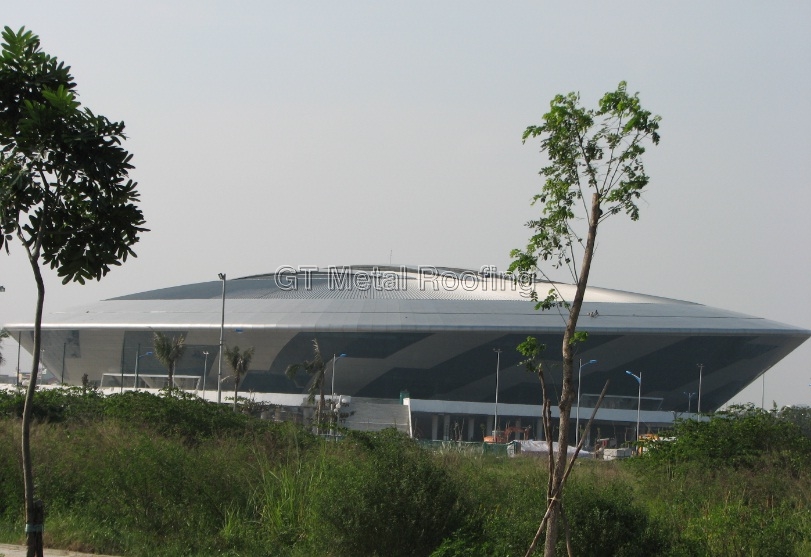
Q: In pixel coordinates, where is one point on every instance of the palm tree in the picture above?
(3, 335)
(239, 362)
(168, 351)
(316, 368)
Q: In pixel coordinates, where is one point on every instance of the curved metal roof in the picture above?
(385, 282)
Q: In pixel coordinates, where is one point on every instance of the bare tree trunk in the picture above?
(552, 495)
(34, 510)
(568, 393)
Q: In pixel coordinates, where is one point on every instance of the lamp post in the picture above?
(700, 376)
(333, 413)
(689, 400)
(577, 421)
(638, 399)
(763, 392)
(205, 371)
(138, 357)
(19, 346)
(334, 357)
(495, 413)
(222, 332)
(64, 348)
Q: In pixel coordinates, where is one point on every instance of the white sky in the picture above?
(268, 133)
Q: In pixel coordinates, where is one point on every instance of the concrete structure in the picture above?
(427, 335)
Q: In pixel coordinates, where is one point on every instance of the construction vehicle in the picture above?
(521, 434)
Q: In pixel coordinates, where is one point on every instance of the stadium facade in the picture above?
(442, 338)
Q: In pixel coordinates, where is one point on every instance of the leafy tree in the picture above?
(239, 362)
(65, 193)
(168, 351)
(742, 436)
(317, 369)
(798, 415)
(595, 171)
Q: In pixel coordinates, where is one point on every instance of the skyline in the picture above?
(327, 134)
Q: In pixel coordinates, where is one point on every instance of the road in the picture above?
(19, 551)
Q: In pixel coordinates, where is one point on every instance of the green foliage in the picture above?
(605, 520)
(739, 530)
(168, 351)
(64, 187)
(315, 368)
(386, 496)
(742, 436)
(799, 416)
(588, 150)
(139, 474)
(239, 362)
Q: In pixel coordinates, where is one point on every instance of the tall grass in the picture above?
(143, 475)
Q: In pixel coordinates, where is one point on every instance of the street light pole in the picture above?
(138, 357)
(577, 421)
(334, 406)
(763, 392)
(495, 414)
(334, 357)
(689, 400)
(222, 333)
(700, 376)
(205, 371)
(638, 399)
(64, 348)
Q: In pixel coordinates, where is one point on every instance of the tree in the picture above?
(168, 351)
(595, 171)
(317, 369)
(65, 193)
(3, 336)
(239, 362)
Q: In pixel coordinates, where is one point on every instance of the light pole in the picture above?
(577, 421)
(222, 332)
(334, 409)
(64, 348)
(205, 371)
(19, 346)
(495, 414)
(763, 392)
(638, 399)
(334, 357)
(700, 376)
(138, 357)
(689, 400)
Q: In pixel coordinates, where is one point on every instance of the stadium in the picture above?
(431, 350)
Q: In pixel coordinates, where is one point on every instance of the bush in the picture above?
(386, 496)
(606, 521)
(740, 437)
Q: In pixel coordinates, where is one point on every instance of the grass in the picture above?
(145, 475)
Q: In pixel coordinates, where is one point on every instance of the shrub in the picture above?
(386, 496)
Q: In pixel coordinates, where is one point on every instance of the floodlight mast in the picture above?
(495, 414)
(577, 421)
(638, 400)
(222, 334)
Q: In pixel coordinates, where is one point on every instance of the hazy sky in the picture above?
(268, 134)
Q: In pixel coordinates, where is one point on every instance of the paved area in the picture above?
(19, 551)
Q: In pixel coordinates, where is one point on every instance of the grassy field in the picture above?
(136, 474)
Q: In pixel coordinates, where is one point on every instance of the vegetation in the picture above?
(139, 474)
(317, 370)
(239, 362)
(168, 351)
(595, 171)
(65, 194)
